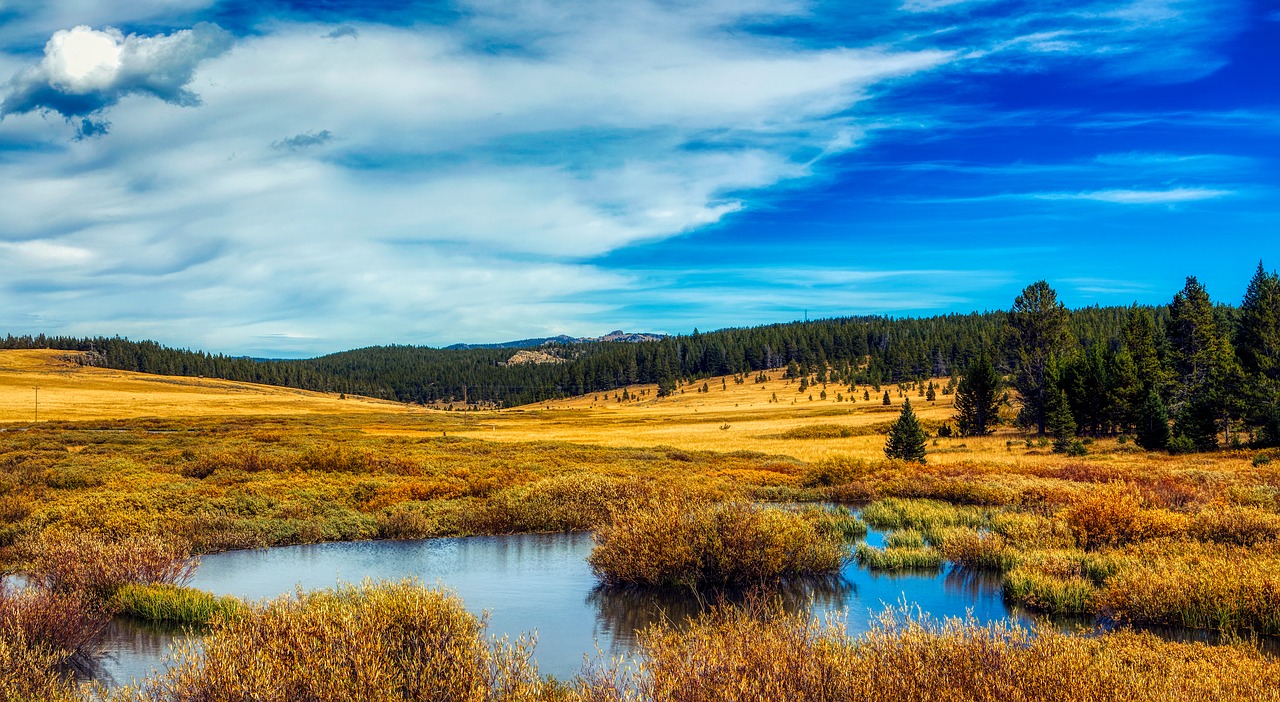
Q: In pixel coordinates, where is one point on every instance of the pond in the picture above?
(536, 583)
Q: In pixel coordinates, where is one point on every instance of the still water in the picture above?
(536, 583)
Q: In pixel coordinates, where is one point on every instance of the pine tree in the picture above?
(1258, 327)
(1208, 378)
(906, 437)
(978, 398)
(1059, 421)
(1258, 348)
(1036, 336)
(886, 400)
(1152, 422)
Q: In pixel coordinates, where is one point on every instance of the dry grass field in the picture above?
(71, 392)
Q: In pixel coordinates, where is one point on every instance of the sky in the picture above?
(284, 178)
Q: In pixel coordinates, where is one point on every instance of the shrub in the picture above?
(84, 563)
(719, 545)
(30, 672)
(763, 653)
(1204, 587)
(1112, 516)
(835, 470)
(978, 550)
(66, 626)
(383, 642)
(1236, 525)
(573, 502)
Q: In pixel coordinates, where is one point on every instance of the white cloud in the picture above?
(432, 191)
(85, 70)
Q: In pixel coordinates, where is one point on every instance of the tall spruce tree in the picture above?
(1258, 349)
(1207, 377)
(978, 398)
(906, 437)
(1036, 336)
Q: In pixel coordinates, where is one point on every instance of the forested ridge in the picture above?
(1208, 367)
(863, 350)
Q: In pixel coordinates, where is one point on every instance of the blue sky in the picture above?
(292, 178)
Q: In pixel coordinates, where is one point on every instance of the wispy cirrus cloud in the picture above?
(1139, 197)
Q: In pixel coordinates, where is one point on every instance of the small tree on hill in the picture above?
(906, 437)
(886, 400)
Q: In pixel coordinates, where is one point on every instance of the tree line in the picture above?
(1207, 368)
(1185, 377)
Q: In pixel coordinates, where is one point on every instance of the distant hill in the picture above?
(616, 335)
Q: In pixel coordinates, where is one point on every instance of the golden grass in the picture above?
(71, 392)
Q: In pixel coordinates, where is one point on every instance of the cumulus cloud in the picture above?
(85, 70)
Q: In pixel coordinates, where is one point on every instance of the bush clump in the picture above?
(691, 544)
(382, 642)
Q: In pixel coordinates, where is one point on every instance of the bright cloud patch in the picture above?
(85, 70)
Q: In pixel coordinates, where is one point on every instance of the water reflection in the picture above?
(623, 612)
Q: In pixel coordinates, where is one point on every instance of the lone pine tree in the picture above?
(906, 437)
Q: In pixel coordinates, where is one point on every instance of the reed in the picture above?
(904, 538)
(898, 558)
(897, 513)
(174, 604)
(838, 522)
(1043, 592)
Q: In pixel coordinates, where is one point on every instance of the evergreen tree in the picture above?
(978, 398)
(1197, 422)
(906, 437)
(1059, 421)
(1152, 422)
(1258, 326)
(1207, 376)
(1258, 349)
(886, 400)
(1036, 336)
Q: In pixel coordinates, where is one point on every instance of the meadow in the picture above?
(166, 465)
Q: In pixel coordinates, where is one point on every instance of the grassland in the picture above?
(1120, 533)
